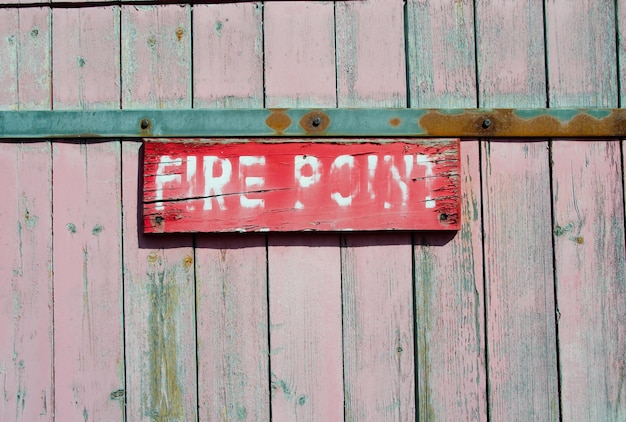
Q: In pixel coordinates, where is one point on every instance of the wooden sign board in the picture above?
(334, 185)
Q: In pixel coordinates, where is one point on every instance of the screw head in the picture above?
(316, 121)
(145, 123)
(486, 123)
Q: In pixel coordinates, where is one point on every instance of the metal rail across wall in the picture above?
(339, 122)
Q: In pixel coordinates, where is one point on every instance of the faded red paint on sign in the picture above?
(226, 186)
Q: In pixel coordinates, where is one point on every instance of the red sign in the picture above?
(343, 185)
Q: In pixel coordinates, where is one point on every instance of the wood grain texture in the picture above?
(299, 54)
(440, 53)
(588, 216)
(26, 355)
(156, 56)
(621, 57)
(450, 311)
(304, 270)
(449, 285)
(228, 55)
(377, 277)
(26, 59)
(378, 327)
(26, 290)
(589, 246)
(510, 59)
(305, 327)
(231, 272)
(88, 334)
(371, 70)
(159, 292)
(159, 309)
(88, 331)
(520, 316)
(582, 55)
(86, 65)
(232, 328)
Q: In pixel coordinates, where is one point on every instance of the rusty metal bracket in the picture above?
(339, 122)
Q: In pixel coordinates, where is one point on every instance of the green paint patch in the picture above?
(71, 227)
(392, 407)
(528, 114)
(30, 220)
(564, 115)
(97, 230)
(34, 32)
(218, 28)
(560, 231)
(302, 400)
(242, 412)
(117, 394)
(81, 61)
(278, 384)
(598, 113)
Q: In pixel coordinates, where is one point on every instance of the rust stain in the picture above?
(278, 121)
(180, 32)
(395, 122)
(315, 122)
(151, 41)
(187, 261)
(506, 123)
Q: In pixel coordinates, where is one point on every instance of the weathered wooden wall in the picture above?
(521, 315)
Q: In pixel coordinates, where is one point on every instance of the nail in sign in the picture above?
(335, 185)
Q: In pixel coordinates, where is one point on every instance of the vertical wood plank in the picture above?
(371, 69)
(377, 276)
(299, 54)
(231, 271)
(89, 363)
(449, 284)
(521, 331)
(228, 55)
(156, 57)
(304, 270)
(588, 215)
(26, 58)
(232, 328)
(440, 53)
(26, 348)
(89, 353)
(26, 287)
(159, 291)
(305, 327)
(621, 60)
(86, 64)
(9, 33)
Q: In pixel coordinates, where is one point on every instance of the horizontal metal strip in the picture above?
(340, 122)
